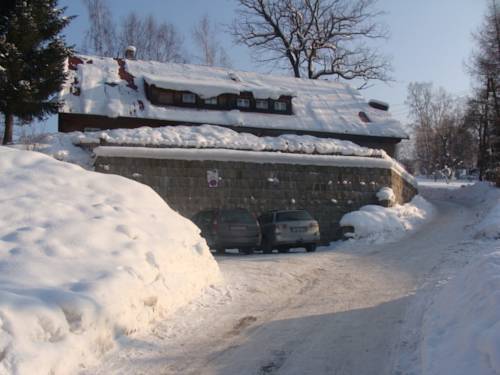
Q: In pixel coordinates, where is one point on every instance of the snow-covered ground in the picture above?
(89, 270)
(461, 327)
(84, 259)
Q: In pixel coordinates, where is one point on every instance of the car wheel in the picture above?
(311, 248)
(284, 249)
(246, 250)
(266, 246)
(220, 250)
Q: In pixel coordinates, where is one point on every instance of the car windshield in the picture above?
(236, 216)
(293, 216)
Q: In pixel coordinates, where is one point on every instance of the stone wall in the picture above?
(327, 192)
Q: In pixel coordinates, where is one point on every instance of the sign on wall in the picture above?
(213, 178)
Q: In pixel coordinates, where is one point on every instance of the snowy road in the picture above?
(341, 310)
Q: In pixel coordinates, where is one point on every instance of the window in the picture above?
(211, 101)
(243, 103)
(280, 106)
(165, 98)
(236, 215)
(364, 117)
(261, 104)
(188, 98)
(293, 216)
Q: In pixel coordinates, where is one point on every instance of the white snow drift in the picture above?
(462, 328)
(84, 258)
(379, 224)
(461, 331)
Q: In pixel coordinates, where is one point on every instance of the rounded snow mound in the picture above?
(84, 258)
(379, 224)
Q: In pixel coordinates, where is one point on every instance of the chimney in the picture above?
(130, 52)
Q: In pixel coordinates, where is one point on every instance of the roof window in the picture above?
(211, 101)
(243, 103)
(280, 106)
(364, 117)
(189, 98)
(261, 104)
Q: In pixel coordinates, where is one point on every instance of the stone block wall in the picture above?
(327, 192)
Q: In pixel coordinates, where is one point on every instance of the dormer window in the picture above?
(280, 106)
(243, 103)
(261, 104)
(211, 101)
(188, 98)
(165, 98)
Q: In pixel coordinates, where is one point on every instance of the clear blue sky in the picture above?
(430, 39)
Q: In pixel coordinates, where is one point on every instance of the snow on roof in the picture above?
(111, 87)
(210, 136)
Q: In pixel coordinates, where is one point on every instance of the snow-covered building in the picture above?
(107, 93)
(205, 137)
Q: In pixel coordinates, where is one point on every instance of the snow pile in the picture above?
(462, 328)
(489, 227)
(107, 87)
(209, 136)
(386, 194)
(85, 258)
(61, 146)
(380, 224)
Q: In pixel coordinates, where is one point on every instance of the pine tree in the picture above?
(32, 58)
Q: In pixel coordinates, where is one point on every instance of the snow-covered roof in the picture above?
(210, 136)
(113, 88)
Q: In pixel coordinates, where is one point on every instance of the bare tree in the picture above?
(441, 136)
(484, 67)
(315, 37)
(100, 37)
(153, 40)
(205, 39)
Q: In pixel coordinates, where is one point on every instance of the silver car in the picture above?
(285, 229)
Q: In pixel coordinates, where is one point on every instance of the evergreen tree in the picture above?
(32, 58)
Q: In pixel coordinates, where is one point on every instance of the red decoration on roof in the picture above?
(126, 76)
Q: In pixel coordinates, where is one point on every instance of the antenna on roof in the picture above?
(130, 52)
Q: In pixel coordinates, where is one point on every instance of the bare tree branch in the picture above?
(315, 38)
(211, 53)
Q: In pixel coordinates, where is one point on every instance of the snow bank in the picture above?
(210, 136)
(85, 258)
(462, 328)
(60, 146)
(461, 331)
(379, 224)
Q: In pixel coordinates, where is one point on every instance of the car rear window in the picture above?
(236, 216)
(293, 216)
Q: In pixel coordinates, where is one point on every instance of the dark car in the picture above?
(229, 228)
(285, 229)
